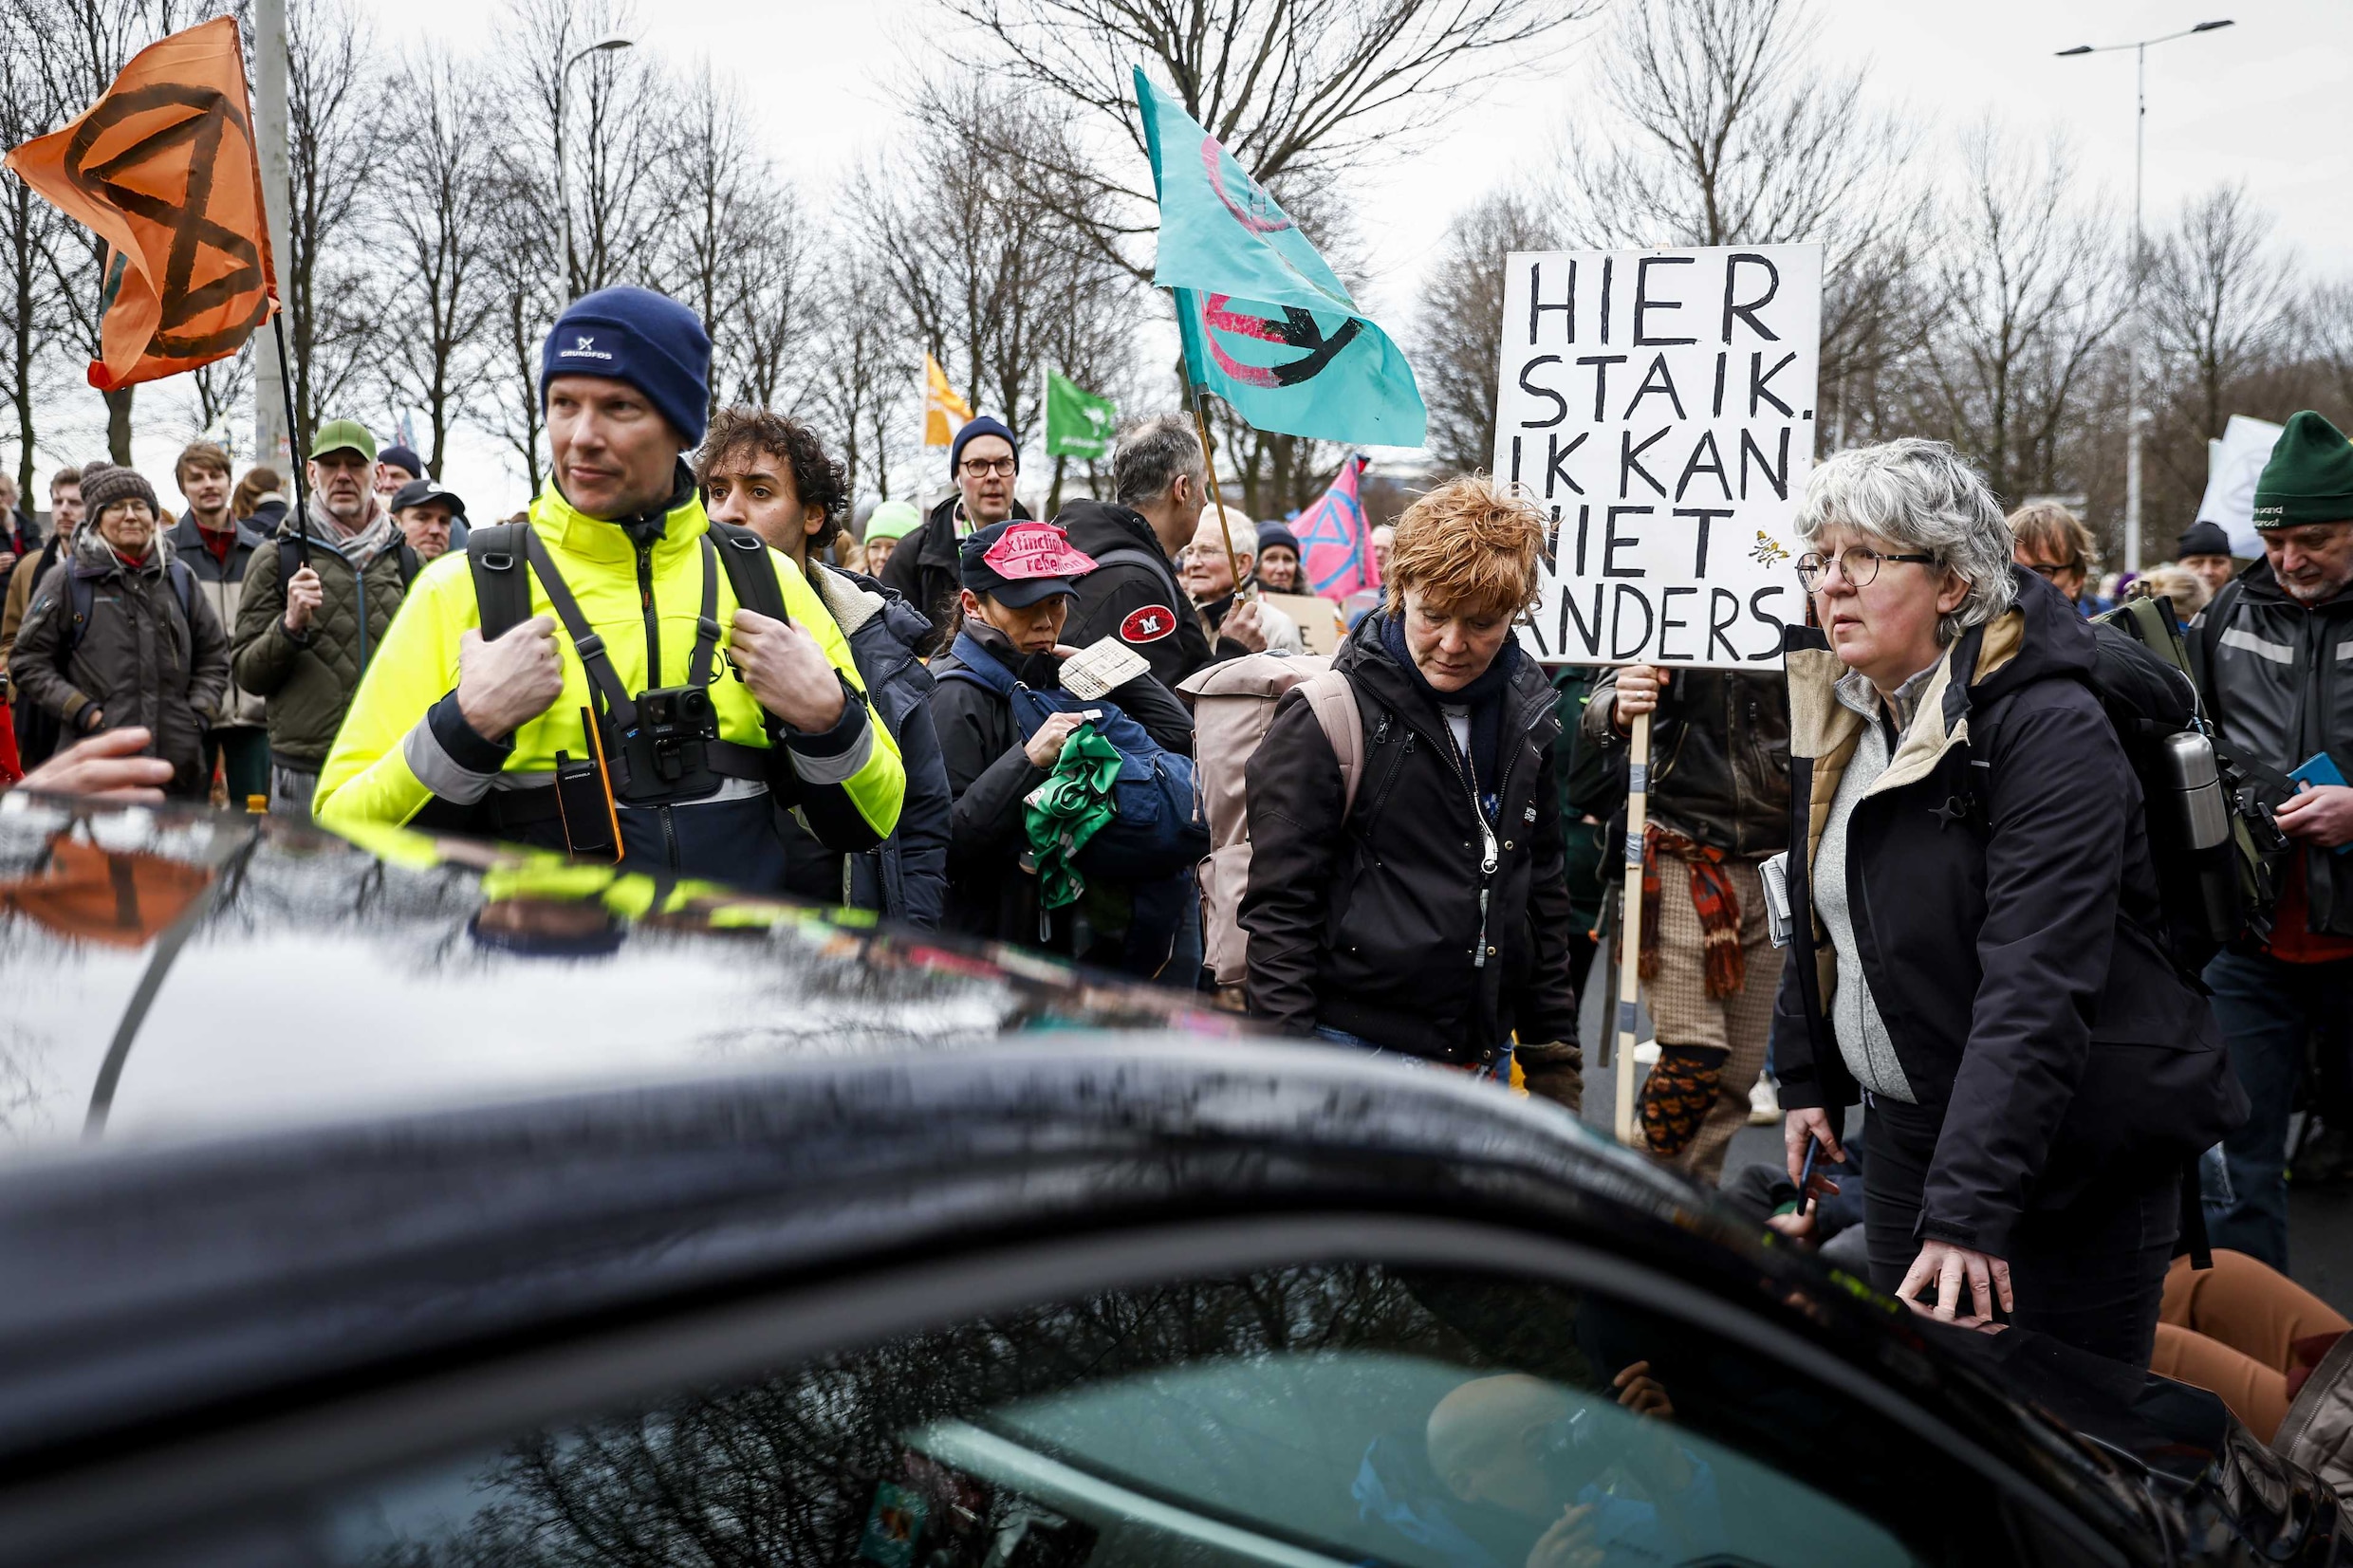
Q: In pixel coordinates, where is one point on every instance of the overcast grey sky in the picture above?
(2266, 102)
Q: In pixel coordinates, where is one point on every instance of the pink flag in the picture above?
(1335, 548)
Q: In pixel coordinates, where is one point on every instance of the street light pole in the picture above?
(564, 195)
(2135, 417)
(273, 439)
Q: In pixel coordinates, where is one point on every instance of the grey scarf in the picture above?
(380, 534)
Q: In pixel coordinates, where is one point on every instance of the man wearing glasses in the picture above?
(2052, 542)
(983, 460)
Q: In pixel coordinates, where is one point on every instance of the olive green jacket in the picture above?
(307, 679)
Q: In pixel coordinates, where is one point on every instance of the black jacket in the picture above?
(2278, 679)
(1373, 924)
(989, 776)
(1140, 602)
(906, 876)
(142, 658)
(2003, 904)
(1720, 757)
(923, 569)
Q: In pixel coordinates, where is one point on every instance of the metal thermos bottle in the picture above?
(2204, 815)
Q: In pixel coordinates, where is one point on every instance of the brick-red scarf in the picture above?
(1713, 896)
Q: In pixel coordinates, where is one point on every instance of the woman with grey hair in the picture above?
(1976, 948)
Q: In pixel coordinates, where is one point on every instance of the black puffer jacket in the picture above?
(1382, 923)
(2004, 902)
(2278, 679)
(142, 659)
(1720, 757)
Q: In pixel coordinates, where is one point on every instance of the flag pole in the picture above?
(1630, 923)
(293, 438)
(1209, 459)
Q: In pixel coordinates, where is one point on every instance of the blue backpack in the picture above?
(1156, 829)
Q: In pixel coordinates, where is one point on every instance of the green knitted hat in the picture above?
(2310, 478)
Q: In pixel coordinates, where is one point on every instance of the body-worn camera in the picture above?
(667, 756)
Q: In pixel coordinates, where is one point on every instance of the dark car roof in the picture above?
(370, 1111)
(172, 970)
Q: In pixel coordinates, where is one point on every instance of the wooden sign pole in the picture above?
(1630, 926)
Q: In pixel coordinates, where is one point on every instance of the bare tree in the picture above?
(739, 251)
(334, 142)
(862, 386)
(28, 239)
(2216, 298)
(2028, 294)
(763, 347)
(222, 395)
(1300, 91)
(975, 258)
(439, 278)
(524, 265)
(603, 122)
(1460, 333)
(1720, 129)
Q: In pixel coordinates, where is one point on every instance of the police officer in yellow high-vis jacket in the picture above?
(636, 649)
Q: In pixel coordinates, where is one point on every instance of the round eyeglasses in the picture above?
(1858, 563)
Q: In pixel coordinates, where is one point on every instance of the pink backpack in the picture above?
(1233, 705)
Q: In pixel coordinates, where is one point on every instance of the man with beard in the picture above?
(316, 607)
(2275, 655)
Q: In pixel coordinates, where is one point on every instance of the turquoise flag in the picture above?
(1266, 324)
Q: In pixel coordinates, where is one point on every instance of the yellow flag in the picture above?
(944, 413)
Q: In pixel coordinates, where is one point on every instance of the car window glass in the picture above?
(1315, 1415)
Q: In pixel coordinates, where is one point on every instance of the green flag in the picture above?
(1077, 423)
(1266, 324)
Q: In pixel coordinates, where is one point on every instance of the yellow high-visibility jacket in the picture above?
(403, 743)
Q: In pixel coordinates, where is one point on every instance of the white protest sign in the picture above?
(1658, 405)
(2232, 466)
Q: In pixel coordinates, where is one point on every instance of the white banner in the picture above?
(1659, 406)
(2232, 466)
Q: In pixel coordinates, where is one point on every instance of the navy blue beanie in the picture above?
(1275, 533)
(647, 339)
(980, 425)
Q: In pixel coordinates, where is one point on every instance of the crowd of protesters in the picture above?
(1976, 950)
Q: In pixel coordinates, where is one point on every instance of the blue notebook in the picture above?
(2321, 769)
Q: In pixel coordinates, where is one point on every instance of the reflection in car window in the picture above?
(1316, 1415)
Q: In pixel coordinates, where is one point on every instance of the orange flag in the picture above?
(944, 413)
(163, 169)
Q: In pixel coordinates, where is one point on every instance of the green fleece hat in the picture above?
(343, 435)
(2310, 478)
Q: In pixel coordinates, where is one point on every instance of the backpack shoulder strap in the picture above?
(975, 666)
(183, 580)
(750, 570)
(494, 561)
(2206, 636)
(1334, 703)
(1130, 554)
(290, 562)
(79, 595)
(410, 565)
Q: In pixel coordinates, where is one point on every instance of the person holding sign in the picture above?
(1720, 806)
(1426, 911)
(1971, 950)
